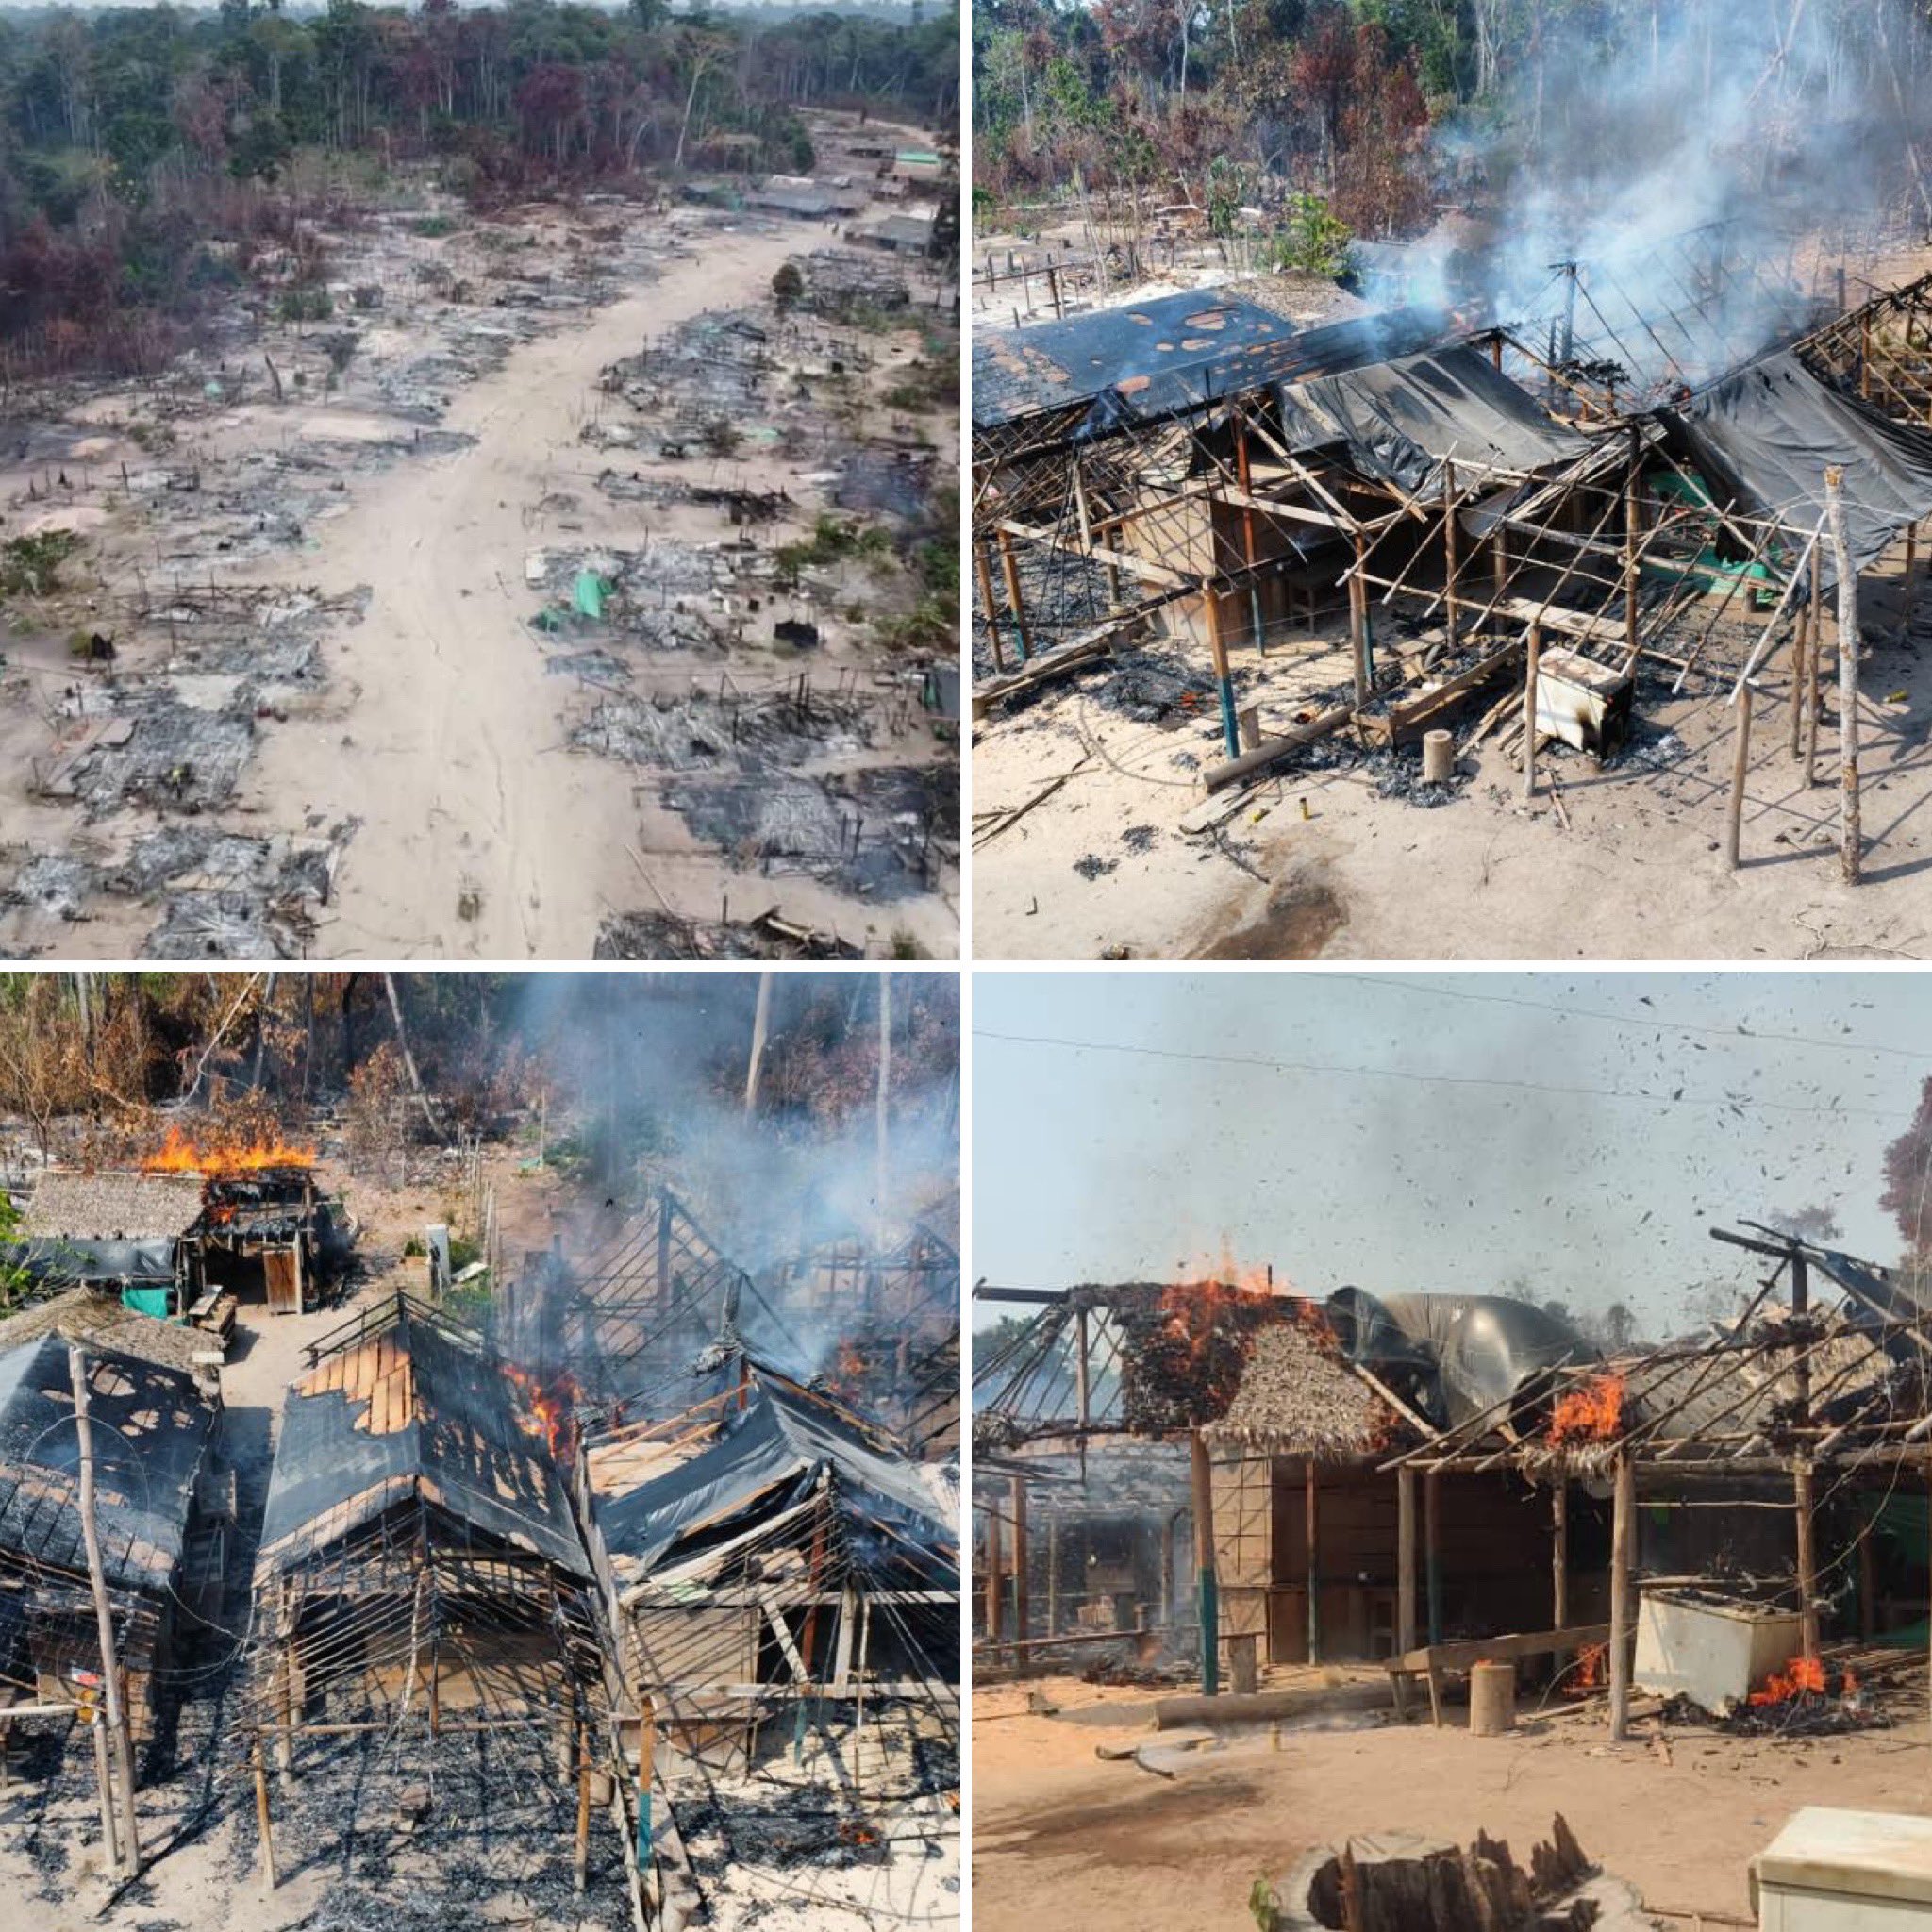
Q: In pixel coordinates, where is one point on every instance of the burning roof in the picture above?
(414, 1409)
(218, 1154)
(1298, 1397)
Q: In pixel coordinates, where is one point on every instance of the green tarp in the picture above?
(588, 594)
(147, 1301)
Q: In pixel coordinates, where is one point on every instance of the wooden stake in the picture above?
(984, 571)
(1010, 571)
(1623, 1510)
(261, 1819)
(1740, 770)
(1851, 848)
(1405, 1560)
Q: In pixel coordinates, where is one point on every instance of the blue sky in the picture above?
(1471, 1132)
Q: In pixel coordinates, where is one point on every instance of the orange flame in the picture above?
(1588, 1670)
(551, 1408)
(221, 1154)
(1801, 1674)
(1593, 1413)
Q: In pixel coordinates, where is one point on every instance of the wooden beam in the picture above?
(1134, 566)
(1804, 1503)
(1405, 1559)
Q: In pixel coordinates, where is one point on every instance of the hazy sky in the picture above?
(1432, 1132)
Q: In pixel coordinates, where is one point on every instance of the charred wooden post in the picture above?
(1022, 1606)
(1432, 1549)
(1804, 1502)
(1244, 476)
(1167, 1570)
(1053, 1575)
(983, 570)
(1208, 1595)
(1851, 852)
(1559, 1553)
(1632, 516)
(1740, 771)
(1009, 569)
(1622, 1526)
(262, 1818)
(1405, 1560)
(1453, 622)
(582, 1865)
(1360, 646)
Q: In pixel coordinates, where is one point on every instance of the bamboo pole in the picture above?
(1622, 1526)
(984, 571)
(1022, 1605)
(1009, 569)
(1740, 771)
(1851, 851)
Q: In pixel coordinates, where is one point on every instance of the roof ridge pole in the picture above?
(104, 1617)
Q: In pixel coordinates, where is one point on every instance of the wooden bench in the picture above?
(1432, 1660)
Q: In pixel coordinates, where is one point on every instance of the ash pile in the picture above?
(668, 935)
(758, 732)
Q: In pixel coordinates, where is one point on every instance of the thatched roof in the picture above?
(1298, 1397)
(111, 1206)
(99, 1322)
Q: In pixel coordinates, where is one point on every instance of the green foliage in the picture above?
(1310, 241)
(431, 226)
(31, 565)
(312, 304)
(1264, 1902)
(14, 1280)
(788, 286)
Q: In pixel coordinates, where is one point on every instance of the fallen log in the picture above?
(1272, 750)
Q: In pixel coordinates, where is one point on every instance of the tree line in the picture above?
(131, 139)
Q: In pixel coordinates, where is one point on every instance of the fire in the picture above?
(853, 1831)
(224, 1154)
(551, 1408)
(1801, 1674)
(1592, 1413)
(1588, 1670)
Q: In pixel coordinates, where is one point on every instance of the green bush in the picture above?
(32, 564)
(304, 304)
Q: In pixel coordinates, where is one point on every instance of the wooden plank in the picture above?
(1463, 1652)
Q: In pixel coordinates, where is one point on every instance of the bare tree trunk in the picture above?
(760, 1027)
(885, 1089)
(395, 1008)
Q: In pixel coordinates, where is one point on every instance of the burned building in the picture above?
(153, 1425)
(419, 1566)
(785, 1582)
(127, 1235)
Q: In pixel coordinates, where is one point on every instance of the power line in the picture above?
(1679, 1098)
(1640, 1024)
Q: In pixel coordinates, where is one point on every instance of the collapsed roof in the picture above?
(151, 1431)
(414, 1411)
(760, 1462)
(102, 1322)
(1402, 421)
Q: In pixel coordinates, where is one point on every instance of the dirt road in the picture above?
(440, 728)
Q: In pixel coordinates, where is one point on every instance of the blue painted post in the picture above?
(1223, 678)
(1207, 1588)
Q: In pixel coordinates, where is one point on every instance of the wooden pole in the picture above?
(1740, 771)
(1622, 1526)
(983, 570)
(1314, 1564)
(1405, 1560)
(583, 1847)
(1359, 644)
(883, 1108)
(1206, 1593)
(1010, 571)
(1911, 589)
(1082, 1388)
(1804, 1501)
(1633, 511)
(1536, 653)
(1432, 1549)
(1450, 533)
(1800, 636)
(110, 1835)
(1244, 476)
(1814, 650)
(1022, 1606)
(120, 1734)
(1053, 1575)
(261, 1819)
(1559, 1553)
(1851, 852)
(992, 1578)
(1167, 1570)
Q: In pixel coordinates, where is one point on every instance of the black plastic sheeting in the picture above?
(1146, 360)
(54, 1261)
(151, 1429)
(465, 1444)
(770, 1457)
(1767, 434)
(1402, 421)
(1458, 1357)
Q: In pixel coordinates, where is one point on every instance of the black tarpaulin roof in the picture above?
(1143, 360)
(411, 1411)
(769, 1457)
(1401, 421)
(151, 1428)
(1767, 434)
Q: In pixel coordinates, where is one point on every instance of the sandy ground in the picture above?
(1061, 1837)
